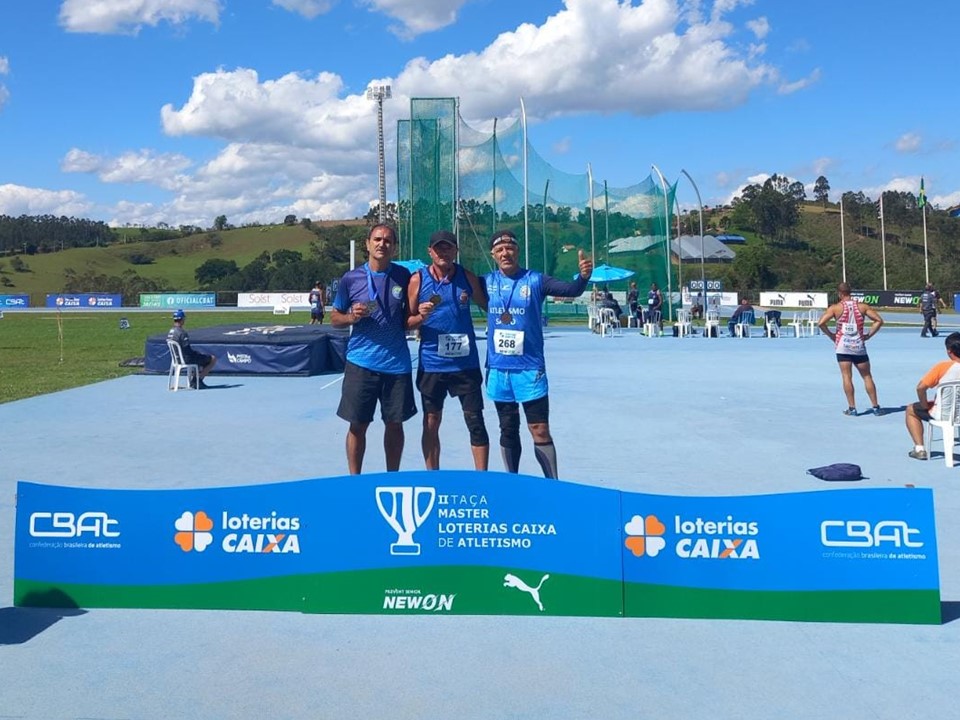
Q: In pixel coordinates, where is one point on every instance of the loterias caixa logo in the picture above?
(195, 531)
(726, 539)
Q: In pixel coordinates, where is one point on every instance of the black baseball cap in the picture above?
(443, 236)
(502, 236)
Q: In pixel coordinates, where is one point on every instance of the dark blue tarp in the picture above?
(259, 349)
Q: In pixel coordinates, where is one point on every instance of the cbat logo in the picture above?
(69, 525)
(862, 534)
(645, 535)
(193, 531)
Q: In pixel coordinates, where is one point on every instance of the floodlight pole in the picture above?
(526, 201)
(381, 93)
(843, 242)
(703, 273)
(666, 230)
(546, 188)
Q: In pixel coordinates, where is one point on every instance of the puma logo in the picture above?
(513, 581)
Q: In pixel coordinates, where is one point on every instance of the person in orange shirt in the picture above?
(924, 409)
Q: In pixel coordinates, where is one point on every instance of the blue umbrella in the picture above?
(606, 273)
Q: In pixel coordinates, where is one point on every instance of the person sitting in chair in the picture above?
(744, 308)
(925, 410)
(190, 356)
(608, 301)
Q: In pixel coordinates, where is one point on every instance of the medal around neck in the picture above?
(371, 307)
(506, 318)
(435, 299)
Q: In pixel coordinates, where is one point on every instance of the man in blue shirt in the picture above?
(516, 369)
(317, 302)
(441, 295)
(372, 299)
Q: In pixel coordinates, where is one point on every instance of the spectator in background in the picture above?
(742, 309)
(930, 302)
(850, 343)
(654, 306)
(190, 356)
(696, 307)
(317, 301)
(608, 301)
(924, 410)
(633, 299)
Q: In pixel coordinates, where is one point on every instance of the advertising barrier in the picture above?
(12, 302)
(458, 542)
(84, 301)
(271, 300)
(800, 300)
(888, 298)
(177, 300)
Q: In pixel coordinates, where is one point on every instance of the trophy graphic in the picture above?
(403, 514)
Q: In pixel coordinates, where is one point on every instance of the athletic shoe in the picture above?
(918, 454)
(878, 411)
(850, 411)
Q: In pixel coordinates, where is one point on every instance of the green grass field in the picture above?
(46, 352)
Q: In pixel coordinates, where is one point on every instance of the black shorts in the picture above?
(855, 359)
(316, 312)
(534, 411)
(363, 389)
(464, 384)
(196, 358)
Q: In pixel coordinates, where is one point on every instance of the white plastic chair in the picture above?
(947, 403)
(744, 324)
(797, 324)
(593, 317)
(651, 325)
(609, 323)
(771, 324)
(177, 366)
(712, 323)
(813, 317)
(683, 324)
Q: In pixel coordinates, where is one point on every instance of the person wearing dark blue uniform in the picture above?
(440, 297)
(180, 336)
(929, 301)
(316, 300)
(372, 299)
(516, 369)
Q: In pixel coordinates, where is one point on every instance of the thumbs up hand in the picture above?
(586, 265)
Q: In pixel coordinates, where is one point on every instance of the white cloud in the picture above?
(307, 141)
(759, 27)
(786, 88)
(128, 16)
(308, 8)
(418, 16)
(4, 65)
(908, 143)
(562, 146)
(162, 170)
(20, 200)
(4, 70)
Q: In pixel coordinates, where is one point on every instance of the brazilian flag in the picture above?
(922, 197)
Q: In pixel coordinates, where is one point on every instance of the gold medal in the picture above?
(506, 318)
(435, 299)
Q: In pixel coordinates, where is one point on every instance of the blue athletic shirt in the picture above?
(379, 341)
(518, 344)
(447, 339)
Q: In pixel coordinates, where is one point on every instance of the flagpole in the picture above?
(923, 208)
(843, 242)
(883, 242)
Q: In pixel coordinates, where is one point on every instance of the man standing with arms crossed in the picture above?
(440, 295)
(516, 369)
(373, 299)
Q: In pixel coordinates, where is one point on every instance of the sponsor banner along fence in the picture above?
(800, 300)
(84, 301)
(271, 300)
(12, 302)
(177, 300)
(889, 298)
(462, 543)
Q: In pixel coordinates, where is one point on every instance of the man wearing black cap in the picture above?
(190, 356)
(516, 369)
(439, 297)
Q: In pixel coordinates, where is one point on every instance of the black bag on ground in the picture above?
(838, 472)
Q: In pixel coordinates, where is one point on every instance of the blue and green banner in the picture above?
(457, 542)
(172, 301)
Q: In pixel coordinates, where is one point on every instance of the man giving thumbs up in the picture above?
(516, 370)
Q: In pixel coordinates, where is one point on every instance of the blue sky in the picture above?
(177, 111)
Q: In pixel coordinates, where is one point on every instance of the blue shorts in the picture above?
(516, 385)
